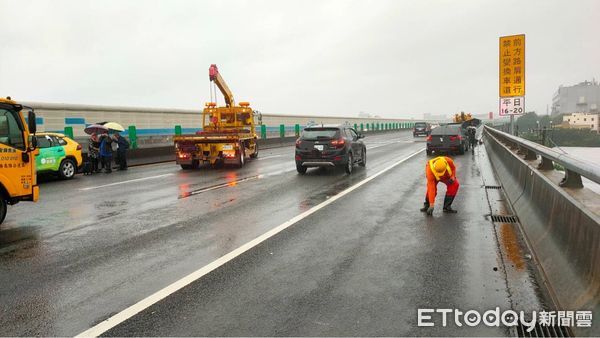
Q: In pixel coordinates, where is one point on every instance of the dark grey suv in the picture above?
(330, 146)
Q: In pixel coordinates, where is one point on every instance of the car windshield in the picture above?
(420, 125)
(446, 130)
(319, 133)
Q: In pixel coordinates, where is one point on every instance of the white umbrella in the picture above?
(114, 126)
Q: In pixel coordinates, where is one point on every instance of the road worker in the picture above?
(440, 169)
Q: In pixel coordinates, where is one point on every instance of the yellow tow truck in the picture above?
(462, 117)
(18, 148)
(228, 134)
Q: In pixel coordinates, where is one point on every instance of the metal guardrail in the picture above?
(574, 168)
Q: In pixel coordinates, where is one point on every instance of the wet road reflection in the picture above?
(100, 249)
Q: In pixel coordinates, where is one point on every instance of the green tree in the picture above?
(527, 121)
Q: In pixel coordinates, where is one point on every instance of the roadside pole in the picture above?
(512, 124)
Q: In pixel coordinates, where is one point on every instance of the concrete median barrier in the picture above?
(561, 226)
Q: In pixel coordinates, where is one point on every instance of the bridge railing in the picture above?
(574, 168)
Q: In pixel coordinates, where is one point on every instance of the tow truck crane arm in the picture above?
(213, 75)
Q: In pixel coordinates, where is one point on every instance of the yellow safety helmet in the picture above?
(440, 165)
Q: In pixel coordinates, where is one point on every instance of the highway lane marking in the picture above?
(387, 144)
(219, 186)
(145, 303)
(125, 182)
(268, 157)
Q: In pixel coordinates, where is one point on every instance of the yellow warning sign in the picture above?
(512, 65)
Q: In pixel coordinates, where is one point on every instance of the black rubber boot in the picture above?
(425, 205)
(448, 204)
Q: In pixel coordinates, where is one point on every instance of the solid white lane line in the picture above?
(268, 157)
(385, 144)
(145, 303)
(125, 182)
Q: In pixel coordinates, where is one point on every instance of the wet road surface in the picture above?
(362, 265)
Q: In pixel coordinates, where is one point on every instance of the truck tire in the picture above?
(3, 208)
(301, 169)
(67, 169)
(255, 154)
(241, 156)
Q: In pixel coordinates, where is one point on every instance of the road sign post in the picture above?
(512, 77)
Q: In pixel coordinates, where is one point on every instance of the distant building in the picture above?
(580, 98)
(582, 121)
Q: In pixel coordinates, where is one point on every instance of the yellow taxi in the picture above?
(58, 154)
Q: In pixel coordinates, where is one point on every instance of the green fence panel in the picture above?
(362, 127)
(263, 131)
(281, 130)
(132, 134)
(177, 130)
(69, 131)
(297, 130)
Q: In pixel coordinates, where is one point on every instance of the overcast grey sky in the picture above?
(391, 58)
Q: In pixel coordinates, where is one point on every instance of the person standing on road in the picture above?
(471, 133)
(94, 152)
(440, 169)
(122, 146)
(106, 152)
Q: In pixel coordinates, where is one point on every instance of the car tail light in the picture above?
(298, 158)
(79, 147)
(298, 143)
(455, 137)
(338, 143)
(429, 138)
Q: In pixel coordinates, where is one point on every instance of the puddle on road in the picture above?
(15, 242)
(320, 197)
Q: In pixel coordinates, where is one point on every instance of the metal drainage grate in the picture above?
(505, 218)
(542, 331)
(493, 187)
